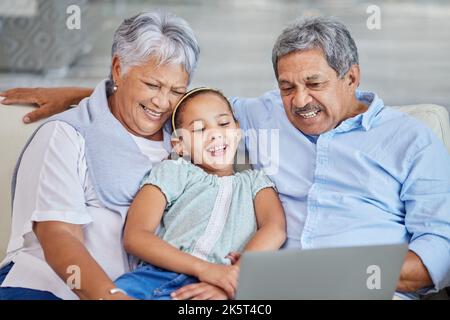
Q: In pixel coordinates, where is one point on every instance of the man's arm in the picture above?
(426, 195)
(413, 275)
(49, 101)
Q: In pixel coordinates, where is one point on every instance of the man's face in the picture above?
(314, 98)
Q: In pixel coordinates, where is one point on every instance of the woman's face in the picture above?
(146, 96)
(209, 134)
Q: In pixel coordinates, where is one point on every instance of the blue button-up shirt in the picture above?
(380, 177)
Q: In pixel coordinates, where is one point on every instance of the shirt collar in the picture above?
(365, 119)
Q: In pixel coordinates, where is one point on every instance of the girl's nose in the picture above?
(215, 135)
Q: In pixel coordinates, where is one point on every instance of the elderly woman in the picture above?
(80, 170)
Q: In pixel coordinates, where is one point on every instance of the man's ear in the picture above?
(353, 77)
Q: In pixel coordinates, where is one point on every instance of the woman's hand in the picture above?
(49, 101)
(223, 276)
(200, 291)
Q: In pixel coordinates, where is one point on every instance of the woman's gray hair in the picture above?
(327, 34)
(158, 34)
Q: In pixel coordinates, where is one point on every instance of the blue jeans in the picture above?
(151, 283)
(10, 293)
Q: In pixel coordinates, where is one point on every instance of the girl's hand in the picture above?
(234, 257)
(223, 276)
(118, 296)
(199, 291)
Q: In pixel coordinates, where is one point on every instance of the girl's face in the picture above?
(209, 134)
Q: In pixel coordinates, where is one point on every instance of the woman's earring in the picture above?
(115, 87)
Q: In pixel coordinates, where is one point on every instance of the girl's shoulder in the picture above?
(255, 178)
(174, 165)
(179, 169)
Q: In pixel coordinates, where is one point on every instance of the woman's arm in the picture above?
(49, 101)
(144, 216)
(63, 246)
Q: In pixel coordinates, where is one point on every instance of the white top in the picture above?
(53, 184)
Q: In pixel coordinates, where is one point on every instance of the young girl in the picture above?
(206, 213)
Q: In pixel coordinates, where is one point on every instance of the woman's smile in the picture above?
(152, 114)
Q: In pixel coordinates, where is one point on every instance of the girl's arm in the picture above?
(140, 240)
(271, 235)
(271, 232)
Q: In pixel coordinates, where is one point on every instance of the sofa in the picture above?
(13, 134)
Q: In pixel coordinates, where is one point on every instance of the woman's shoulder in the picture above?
(58, 132)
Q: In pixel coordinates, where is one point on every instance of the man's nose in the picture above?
(302, 98)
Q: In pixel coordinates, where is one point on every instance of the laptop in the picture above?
(353, 273)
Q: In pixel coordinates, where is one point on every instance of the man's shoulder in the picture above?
(400, 119)
(402, 128)
(256, 110)
(267, 100)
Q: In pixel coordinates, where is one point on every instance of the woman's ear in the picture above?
(116, 70)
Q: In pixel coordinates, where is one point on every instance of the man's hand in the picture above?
(200, 291)
(49, 101)
(223, 276)
(413, 275)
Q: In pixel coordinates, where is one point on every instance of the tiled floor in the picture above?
(405, 62)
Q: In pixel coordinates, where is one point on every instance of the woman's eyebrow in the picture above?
(154, 79)
(183, 87)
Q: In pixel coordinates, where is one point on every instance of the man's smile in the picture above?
(307, 112)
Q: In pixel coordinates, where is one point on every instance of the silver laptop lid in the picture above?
(366, 272)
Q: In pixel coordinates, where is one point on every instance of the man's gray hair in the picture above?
(327, 34)
(158, 34)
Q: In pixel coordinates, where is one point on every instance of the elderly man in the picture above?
(351, 171)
